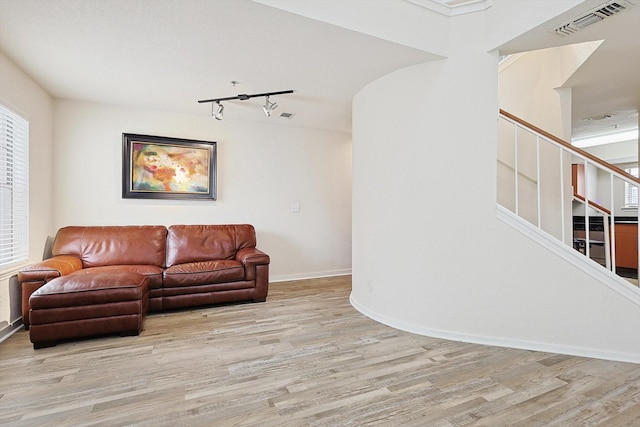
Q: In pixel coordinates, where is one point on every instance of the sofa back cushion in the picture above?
(195, 243)
(113, 245)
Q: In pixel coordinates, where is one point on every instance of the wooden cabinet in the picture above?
(626, 229)
(626, 245)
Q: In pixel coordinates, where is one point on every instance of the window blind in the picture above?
(14, 188)
(631, 191)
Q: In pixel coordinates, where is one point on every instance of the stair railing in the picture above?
(548, 182)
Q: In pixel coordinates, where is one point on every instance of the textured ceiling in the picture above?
(166, 55)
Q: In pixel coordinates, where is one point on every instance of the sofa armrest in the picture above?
(251, 258)
(48, 269)
(256, 268)
(33, 276)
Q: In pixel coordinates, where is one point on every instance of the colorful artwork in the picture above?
(159, 167)
(156, 167)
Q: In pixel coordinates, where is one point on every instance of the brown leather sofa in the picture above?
(187, 265)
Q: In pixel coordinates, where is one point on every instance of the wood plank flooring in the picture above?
(303, 358)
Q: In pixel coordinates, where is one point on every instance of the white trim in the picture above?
(567, 253)
(11, 329)
(509, 60)
(595, 270)
(495, 341)
(619, 160)
(453, 7)
(610, 138)
(303, 276)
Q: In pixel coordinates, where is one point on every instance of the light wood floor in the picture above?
(303, 358)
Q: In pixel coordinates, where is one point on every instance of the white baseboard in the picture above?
(572, 256)
(9, 330)
(495, 341)
(303, 276)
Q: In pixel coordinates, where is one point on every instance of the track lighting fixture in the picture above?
(217, 107)
(268, 107)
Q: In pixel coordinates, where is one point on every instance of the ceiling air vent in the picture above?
(598, 14)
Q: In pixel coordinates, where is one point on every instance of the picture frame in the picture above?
(157, 167)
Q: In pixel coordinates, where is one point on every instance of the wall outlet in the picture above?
(295, 207)
(370, 285)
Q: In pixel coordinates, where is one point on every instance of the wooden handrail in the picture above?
(570, 147)
(592, 204)
(611, 246)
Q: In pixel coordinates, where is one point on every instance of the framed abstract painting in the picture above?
(156, 167)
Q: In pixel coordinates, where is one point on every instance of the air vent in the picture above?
(598, 14)
(286, 115)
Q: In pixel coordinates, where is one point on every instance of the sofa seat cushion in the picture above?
(154, 273)
(203, 273)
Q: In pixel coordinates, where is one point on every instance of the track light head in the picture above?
(269, 106)
(219, 108)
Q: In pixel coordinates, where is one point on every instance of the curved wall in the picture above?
(429, 255)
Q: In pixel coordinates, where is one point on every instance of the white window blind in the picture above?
(631, 191)
(14, 188)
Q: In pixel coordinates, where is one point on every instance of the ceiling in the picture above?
(165, 55)
(168, 54)
(608, 82)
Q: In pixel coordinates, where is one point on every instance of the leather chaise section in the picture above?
(88, 304)
(89, 289)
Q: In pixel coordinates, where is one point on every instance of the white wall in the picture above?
(623, 155)
(599, 191)
(529, 87)
(433, 262)
(24, 96)
(625, 152)
(262, 170)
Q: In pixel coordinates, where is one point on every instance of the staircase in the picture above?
(569, 201)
